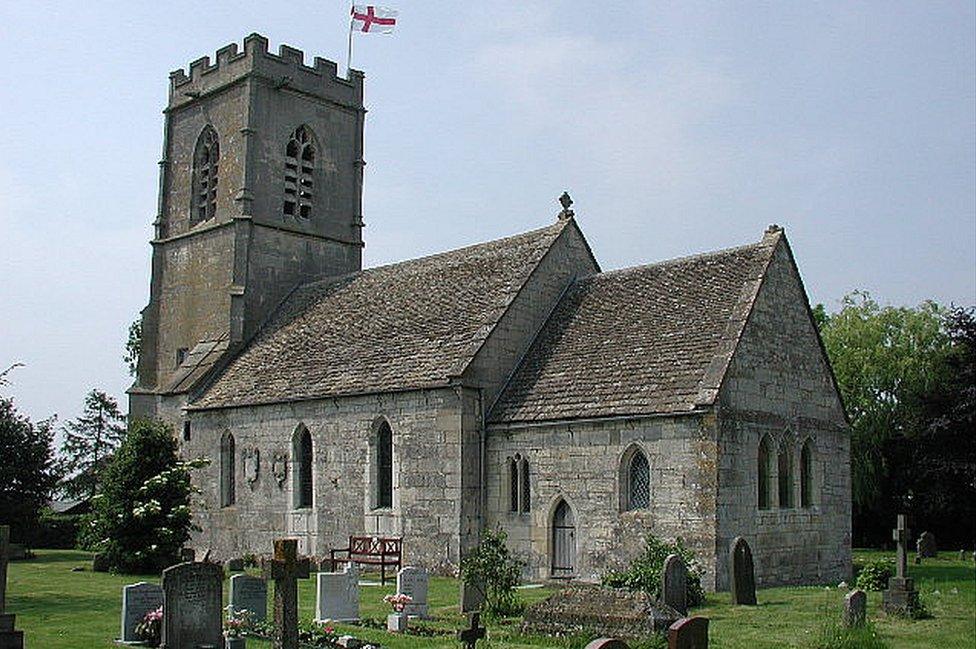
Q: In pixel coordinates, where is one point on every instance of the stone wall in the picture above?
(582, 463)
(778, 384)
(427, 499)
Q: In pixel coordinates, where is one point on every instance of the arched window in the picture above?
(302, 459)
(785, 466)
(524, 498)
(806, 474)
(518, 484)
(513, 483)
(299, 174)
(384, 466)
(638, 481)
(206, 155)
(762, 472)
(227, 491)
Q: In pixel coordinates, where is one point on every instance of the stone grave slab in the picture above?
(689, 633)
(742, 574)
(606, 643)
(592, 608)
(193, 605)
(926, 546)
(413, 581)
(137, 600)
(338, 595)
(855, 608)
(674, 584)
(249, 593)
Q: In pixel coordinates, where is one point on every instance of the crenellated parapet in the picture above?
(286, 69)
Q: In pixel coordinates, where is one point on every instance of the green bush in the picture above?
(873, 575)
(644, 572)
(57, 531)
(491, 568)
(141, 518)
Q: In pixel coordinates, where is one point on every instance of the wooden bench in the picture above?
(370, 551)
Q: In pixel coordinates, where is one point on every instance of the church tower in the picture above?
(260, 189)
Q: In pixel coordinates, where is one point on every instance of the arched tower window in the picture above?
(785, 466)
(206, 156)
(762, 473)
(302, 458)
(227, 486)
(384, 466)
(299, 174)
(638, 481)
(806, 474)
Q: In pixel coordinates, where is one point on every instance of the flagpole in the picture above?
(349, 53)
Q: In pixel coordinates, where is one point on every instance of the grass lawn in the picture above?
(61, 609)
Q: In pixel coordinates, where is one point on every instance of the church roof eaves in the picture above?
(402, 326)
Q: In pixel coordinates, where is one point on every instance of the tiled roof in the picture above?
(408, 325)
(645, 340)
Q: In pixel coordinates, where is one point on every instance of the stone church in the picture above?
(508, 384)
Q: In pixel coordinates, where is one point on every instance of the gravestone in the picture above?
(607, 643)
(596, 609)
(338, 595)
(855, 608)
(234, 565)
(413, 582)
(249, 593)
(674, 584)
(742, 574)
(9, 637)
(472, 597)
(137, 600)
(193, 606)
(901, 598)
(926, 546)
(689, 633)
(285, 569)
(469, 637)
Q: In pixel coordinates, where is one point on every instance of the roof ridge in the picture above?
(676, 260)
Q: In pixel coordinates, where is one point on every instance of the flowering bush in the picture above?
(398, 602)
(317, 635)
(150, 628)
(238, 622)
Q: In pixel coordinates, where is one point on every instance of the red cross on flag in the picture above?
(372, 19)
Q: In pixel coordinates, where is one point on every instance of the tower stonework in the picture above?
(260, 189)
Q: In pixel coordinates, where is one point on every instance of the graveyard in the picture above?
(60, 607)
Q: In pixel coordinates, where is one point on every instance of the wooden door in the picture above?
(563, 541)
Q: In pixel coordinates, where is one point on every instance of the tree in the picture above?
(141, 516)
(491, 568)
(133, 345)
(90, 441)
(28, 469)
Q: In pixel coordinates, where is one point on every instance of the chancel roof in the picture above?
(647, 340)
(409, 325)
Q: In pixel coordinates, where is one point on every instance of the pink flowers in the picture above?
(154, 616)
(398, 601)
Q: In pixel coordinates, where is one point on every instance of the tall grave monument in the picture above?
(193, 606)
(901, 598)
(9, 638)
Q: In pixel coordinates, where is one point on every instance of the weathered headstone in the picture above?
(606, 643)
(855, 608)
(926, 546)
(249, 593)
(137, 600)
(901, 598)
(601, 611)
(472, 597)
(469, 637)
(742, 575)
(413, 581)
(338, 595)
(689, 633)
(193, 606)
(285, 569)
(9, 637)
(674, 584)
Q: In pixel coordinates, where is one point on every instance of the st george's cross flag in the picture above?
(372, 19)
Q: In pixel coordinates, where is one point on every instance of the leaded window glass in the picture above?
(227, 473)
(806, 475)
(785, 465)
(303, 468)
(513, 484)
(384, 466)
(763, 473)
(639, 479)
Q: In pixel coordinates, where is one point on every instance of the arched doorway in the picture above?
(563, 541)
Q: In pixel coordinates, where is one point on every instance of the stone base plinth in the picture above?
(901, 598)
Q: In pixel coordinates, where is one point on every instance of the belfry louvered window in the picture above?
(206, 157)
(299, 174)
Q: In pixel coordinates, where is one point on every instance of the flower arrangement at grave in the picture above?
(238, 622)
(398, 602)
(317, 634)
(150, 628)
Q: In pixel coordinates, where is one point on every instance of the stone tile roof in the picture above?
(408, 325)
(644, 340)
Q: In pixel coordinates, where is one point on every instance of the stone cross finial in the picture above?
(470, 636)
(4, 549)
(286, 569)
(900, 535)
(566, 202)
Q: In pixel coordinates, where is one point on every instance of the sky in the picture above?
(677, 127)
